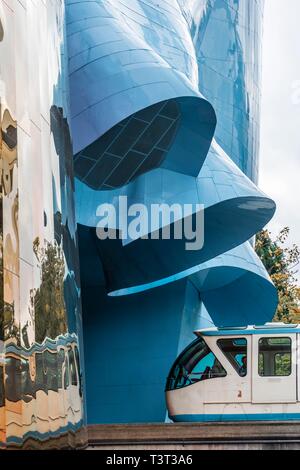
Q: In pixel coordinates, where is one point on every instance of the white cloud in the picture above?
(280, 124)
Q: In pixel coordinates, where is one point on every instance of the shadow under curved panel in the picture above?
(174, 134)
(234, 210)
(162, 261)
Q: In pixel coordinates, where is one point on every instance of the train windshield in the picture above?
(197, 363)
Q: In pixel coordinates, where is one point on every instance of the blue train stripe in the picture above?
(206, 418)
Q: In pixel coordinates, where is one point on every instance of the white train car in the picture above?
(237, 374)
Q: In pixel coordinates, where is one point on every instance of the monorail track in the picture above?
(194, 436)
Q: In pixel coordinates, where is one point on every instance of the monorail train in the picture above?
(237, 374)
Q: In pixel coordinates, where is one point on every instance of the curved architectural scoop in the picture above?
(132, 110)
(226, 208)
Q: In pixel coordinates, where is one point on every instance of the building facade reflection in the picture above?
(41, 369)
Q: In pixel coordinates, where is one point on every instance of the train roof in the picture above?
(268, 328)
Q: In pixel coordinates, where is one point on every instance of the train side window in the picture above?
(197, 363)
(275, 357)
(235, 350)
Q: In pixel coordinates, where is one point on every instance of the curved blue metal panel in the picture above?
(114, 67)
(233, 207)
(226, 281)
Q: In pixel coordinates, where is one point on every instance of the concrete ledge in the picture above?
(193, 434)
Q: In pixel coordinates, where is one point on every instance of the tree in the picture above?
(281, 262)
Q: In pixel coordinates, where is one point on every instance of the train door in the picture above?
(274, 371)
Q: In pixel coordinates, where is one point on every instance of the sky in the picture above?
(280, 115)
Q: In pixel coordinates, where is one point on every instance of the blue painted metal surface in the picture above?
(226, 281)
(131, 343)
(142, 129)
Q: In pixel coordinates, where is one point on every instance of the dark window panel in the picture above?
(127, 138)
(170, 110)
(167, 140)
(153, 161)
(97, 148)
(126, 169)
(152, 135)
(82, 166)
(101, 171)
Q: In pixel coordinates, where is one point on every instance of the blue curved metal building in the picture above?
(152, 102)
(164, 109)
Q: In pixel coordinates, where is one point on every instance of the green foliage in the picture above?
(280, 262)
(48, 300)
